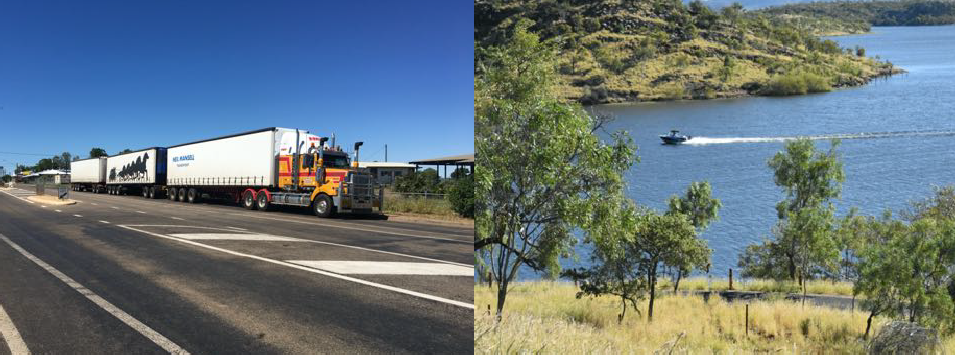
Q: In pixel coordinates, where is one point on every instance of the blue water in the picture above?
(899, 140)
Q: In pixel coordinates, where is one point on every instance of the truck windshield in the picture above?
(336, 161)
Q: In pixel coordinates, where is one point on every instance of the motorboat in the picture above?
(674, 138)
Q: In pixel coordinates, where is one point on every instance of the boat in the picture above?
(674, 138)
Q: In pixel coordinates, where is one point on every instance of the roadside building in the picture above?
(387, 172)
(455, 161)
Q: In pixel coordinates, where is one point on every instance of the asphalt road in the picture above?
(123, 274)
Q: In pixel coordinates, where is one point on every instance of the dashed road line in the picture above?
(141, 212)
(177, 218)
(143, 329)
(58, 210)
(9, 333)
(105, 222)
(43, 206)
(317, 271)
(93, 203)
(114, 207)
(76, 215)
(237, 228)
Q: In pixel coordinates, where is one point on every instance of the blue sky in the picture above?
(134, 74)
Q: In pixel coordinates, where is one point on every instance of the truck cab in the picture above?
(328, 180)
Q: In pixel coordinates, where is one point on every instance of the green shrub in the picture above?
(796, 84)
(461, 196)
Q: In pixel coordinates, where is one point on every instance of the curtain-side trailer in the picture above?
(272, 166)
(88, 175)
(139, 172)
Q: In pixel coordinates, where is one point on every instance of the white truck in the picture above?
(88, 175)
(140, 172)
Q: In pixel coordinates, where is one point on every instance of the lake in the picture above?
(898, 141)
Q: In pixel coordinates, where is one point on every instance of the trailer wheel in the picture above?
(248, 200)
(323, 206)
(192, 196)
(262, 202)
(145, 191)
(172, 193)
(152, 192)
(182, 195)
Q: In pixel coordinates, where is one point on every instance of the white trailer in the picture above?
(142, 171)
(88, 175)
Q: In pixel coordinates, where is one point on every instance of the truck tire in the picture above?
(172, 193)
(145, 191)
(323, 206)
(248, 200)
(192, 196)
(262, 201)
(181, 197)
(152, 192)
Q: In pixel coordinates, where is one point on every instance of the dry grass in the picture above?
(815, 286)
(546, 317)
(418, 205)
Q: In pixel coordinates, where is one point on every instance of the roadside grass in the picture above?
(822, 287)
(418, 205)
(546, 317)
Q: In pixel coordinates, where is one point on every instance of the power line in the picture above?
(37, 154)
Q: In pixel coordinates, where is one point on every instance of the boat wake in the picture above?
(728, 140)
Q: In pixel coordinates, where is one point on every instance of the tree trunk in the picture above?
(653, 292)
(792, 268)
(501, 297)
(676, 285)
(868, 324)
(623, 302)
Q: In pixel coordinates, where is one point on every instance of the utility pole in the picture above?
(386, 152)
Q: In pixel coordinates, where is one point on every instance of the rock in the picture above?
(900, 337)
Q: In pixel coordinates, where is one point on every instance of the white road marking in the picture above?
(18, 197)
(76, 215)
(141, 212)
(9, 333)
(320, 272)
(143, 329)
(114, 207)
(312, 241)
(241, 229)
(58, 210)
(386, 267)
(227, 236)
(93, 203)
(43, 206)
(356, 228)
(104, 222)
(177, 218)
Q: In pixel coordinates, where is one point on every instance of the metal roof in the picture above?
(451, 160)
(384, 164)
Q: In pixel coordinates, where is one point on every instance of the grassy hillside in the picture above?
(619, 51)
(546, 317)
(875, 13)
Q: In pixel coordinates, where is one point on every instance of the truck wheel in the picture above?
(323, 206)
(192, 196)
(182, 195)
(248, 200)
(152, 192)
(145, 191)
(262, 201)
(172, 193)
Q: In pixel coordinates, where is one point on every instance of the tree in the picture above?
(909, 271)
(666, 240)
(541, 170)
(810, 179)
(98, 152)
(629, 263)
(127, 150)
(700, 208)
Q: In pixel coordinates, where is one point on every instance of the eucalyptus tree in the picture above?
(810, 179)
(541, 171)
(700, 208)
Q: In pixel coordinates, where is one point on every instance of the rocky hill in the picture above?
(628, 51)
